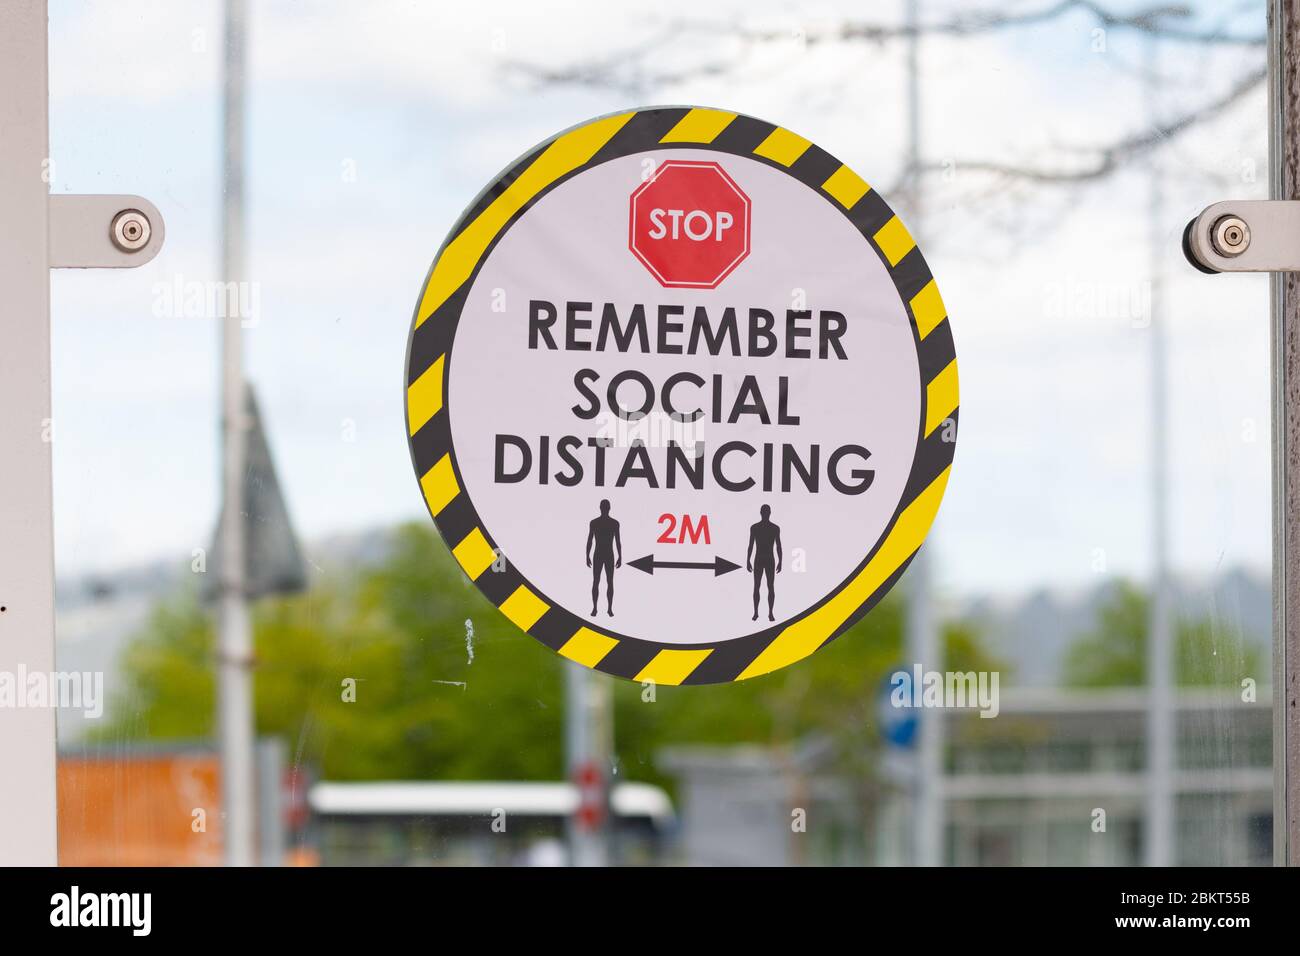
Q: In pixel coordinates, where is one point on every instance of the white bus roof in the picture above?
(455, 798)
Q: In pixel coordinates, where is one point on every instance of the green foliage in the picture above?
(423, 711)
(169, 677)
(833, 693)
(1113, 653)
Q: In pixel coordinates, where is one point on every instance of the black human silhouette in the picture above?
(763, 556)
(604, 535)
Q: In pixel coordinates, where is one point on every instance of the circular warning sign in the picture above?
(681, 395)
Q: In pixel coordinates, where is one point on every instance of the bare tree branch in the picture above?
(1153, 21)
(626, 70)
(1104, 160)
(629, 71)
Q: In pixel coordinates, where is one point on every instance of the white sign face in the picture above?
(681, 395)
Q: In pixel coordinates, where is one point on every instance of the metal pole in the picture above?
(270, 801)
(588, 741)
(922, 633)
(1161, 729)
(234, 660)
(1284, 174)
(28, 824)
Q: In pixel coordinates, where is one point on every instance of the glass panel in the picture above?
(1114, 461)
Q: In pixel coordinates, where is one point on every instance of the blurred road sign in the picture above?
(666, 346)
(897, 724)
(273, 558)
(593, 795)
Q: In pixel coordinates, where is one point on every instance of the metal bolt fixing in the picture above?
(1230, 236)
(130, 230)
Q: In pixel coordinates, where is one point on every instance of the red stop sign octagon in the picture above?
(689, 224)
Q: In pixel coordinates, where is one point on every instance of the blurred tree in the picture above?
(1113, 654)
(422, 710)
(366, 677)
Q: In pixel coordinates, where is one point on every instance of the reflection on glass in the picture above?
(401, 719)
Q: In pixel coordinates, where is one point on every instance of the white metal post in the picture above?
(588, 744)
(1161, 722)
(38, 232)
(922, 631)
(235, 642)
(27, 745)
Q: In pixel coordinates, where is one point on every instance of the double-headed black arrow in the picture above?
(719, 565)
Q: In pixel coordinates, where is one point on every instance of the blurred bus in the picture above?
(490, 823)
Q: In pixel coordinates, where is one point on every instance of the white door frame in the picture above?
(37, 232)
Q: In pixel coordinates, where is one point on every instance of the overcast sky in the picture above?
(372, 125)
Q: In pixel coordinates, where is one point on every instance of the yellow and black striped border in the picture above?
(429, 351)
